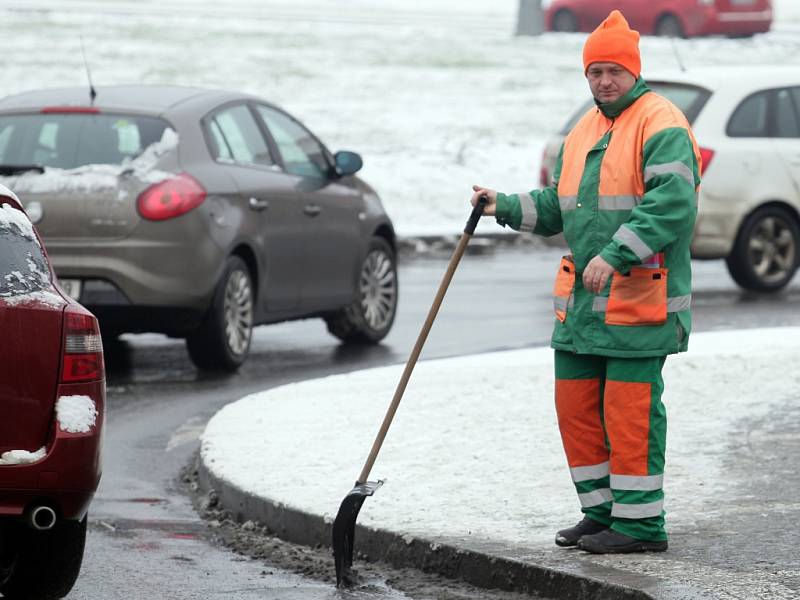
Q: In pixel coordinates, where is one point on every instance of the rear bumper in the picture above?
(179, 272)
(67, 477)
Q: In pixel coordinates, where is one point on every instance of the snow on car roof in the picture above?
(11, 215)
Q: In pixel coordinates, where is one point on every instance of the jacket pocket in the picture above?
(638, 298)
(565, 283)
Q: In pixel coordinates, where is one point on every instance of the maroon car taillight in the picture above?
(706, 154)
(171, 198)
(83, 347)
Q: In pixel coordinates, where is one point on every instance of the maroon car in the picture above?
(52, 409)
(676, 18)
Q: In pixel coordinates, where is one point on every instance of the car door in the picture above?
(787, 134)
(267, 211)
(332, 209)
(750, 157)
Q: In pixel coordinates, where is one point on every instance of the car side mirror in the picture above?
(347, 163)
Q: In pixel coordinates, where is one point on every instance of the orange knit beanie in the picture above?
(613, 41)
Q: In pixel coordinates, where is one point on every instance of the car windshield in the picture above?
(23, 268)
(71, 140)
(689, 98)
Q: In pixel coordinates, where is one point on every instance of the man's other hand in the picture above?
(596, 274)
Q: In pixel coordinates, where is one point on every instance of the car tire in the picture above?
(766, 251)
(222, 342)
(46, 563)
(670, 26)
(369, 317)
(565, 21)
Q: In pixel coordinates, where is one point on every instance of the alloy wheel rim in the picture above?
(378, 285)
(238, 309)
(772, 250)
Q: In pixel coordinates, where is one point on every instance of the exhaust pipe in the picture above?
(42, 518)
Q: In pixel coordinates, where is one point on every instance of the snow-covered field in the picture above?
(436, 95)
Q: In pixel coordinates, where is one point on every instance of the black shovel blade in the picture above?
(344, 527)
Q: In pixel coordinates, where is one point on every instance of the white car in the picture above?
(746, 120)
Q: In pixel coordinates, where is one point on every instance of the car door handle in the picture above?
(312, 210)
(259, 204)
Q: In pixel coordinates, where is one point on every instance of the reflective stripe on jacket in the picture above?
(626, 189)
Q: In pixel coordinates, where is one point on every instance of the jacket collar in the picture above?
(614, 109)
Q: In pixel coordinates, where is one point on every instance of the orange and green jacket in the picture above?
(625, 188)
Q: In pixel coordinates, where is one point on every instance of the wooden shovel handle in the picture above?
(423, 335)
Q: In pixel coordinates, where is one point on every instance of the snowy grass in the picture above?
(436, 95)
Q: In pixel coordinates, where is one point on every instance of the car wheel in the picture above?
(222, 341)
(670, 26)
(765, 254)
(46, 563)
(370, 316)
(565, 20)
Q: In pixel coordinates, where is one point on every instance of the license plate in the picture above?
(72, 287)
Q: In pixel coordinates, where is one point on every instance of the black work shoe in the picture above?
(571, 535)
(614, 542)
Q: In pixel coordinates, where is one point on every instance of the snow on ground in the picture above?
(436, 95)
(484, 428)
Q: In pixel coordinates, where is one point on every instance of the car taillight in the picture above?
(706, 155)
(83, 347)
(171, 198)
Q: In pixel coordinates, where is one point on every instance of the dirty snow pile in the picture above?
(76, 414)
(484, 427)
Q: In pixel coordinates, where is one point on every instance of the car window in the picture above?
(786, 125)
(301, 153)
(221, 150)
(237, 137)
(750, 117)
(690, 99)
(23, 268)
(71, 140)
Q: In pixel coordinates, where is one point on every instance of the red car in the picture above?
(52, 409)
(677, 18)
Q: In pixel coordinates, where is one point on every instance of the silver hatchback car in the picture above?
(199, 214)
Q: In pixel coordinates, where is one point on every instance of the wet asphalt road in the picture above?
(146, 540)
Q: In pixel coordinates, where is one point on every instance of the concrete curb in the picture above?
(477, 568)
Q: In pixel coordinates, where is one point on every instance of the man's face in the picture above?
(609, 81)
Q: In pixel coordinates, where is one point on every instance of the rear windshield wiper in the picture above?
(17, 169)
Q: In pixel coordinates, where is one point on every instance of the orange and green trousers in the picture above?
(614, 427)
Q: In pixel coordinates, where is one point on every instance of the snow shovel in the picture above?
(345, 522)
